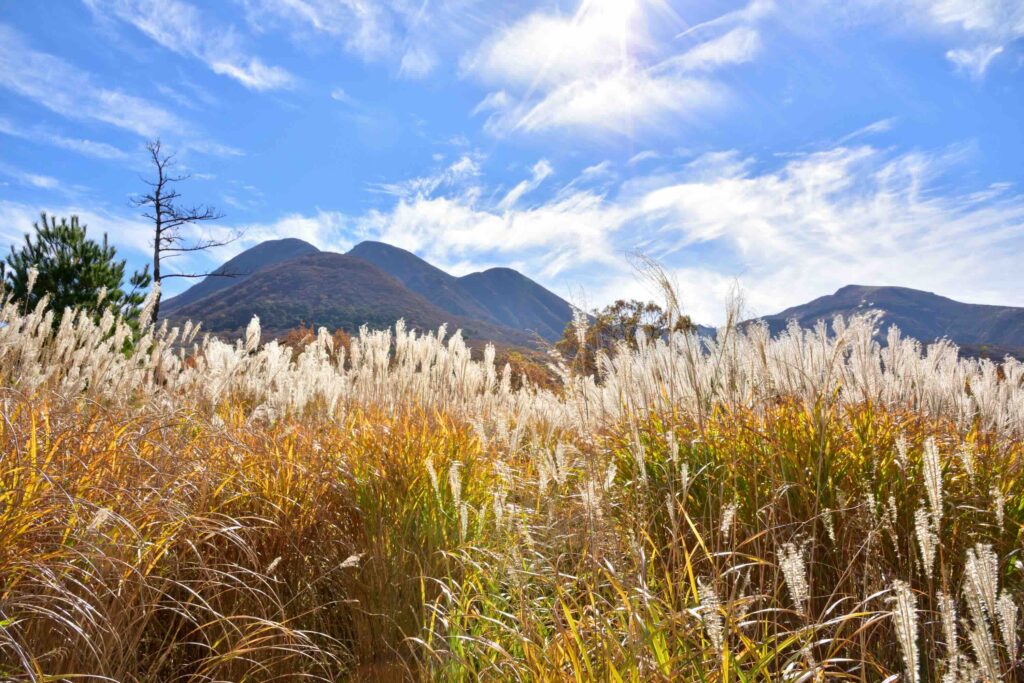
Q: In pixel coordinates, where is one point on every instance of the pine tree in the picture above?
(72, 270)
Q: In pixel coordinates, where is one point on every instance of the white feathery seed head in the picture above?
(904, 616)
(947, 611)
(1006, 617)
(794, 570)
(932, 465)
(252, 334)
(927, 540)
(728, 517)
(455, 482)
(711, 613)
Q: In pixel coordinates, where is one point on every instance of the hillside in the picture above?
(240, 267)
(517, 301)
(922, 315)
(430, 282)
(501, 296)
(330, 290)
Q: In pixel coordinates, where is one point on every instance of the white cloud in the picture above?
(417, 62)
(785, 235)
(842, 216)
(71, 92)
(617, 103)
(735, 47)
(99, 150)
(786, 229)
(339, 95)
(411, 36)
(874, 128)
(455, 176)
(609, 68)
(979, 30)
(541, 170)
(974, 61)
(549, 50)
(130, 235)
(565, 232)
(183, 28)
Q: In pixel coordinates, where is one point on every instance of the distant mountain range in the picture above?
(978, 329)
(290, 282)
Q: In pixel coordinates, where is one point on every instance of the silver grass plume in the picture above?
(830, 524)
(904, 616)
(146, 314)
(981, 580)
(967, 458)
(711, 613)
(794, 570)
(455, 482)
(901, 453)
(932, 465)
(985, 651)
(252, 334)
(432, 473)
(927, 540)
(999, 503)
(947, 611)
(980, 585)
(1006, 616)
(728, 516)
(579, 325)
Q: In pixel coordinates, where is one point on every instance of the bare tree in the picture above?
(168, 218)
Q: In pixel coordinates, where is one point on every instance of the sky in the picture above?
(779, 148)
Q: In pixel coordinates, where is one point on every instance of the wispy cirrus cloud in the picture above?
(413, 37)
(610, 67)
(785, 232)
(74, 93)
(978, 31)
(38, 134)
(35, 180)
(839, 216)
(185, 29)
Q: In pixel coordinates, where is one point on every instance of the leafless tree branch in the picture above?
(168, 218)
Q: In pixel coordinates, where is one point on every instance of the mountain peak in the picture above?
(926, 316)
(242, 266)
(501, 296)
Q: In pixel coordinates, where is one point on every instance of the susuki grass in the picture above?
(806, 508)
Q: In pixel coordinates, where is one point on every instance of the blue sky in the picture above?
(787, 148)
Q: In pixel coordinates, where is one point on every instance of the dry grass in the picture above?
(804, 509)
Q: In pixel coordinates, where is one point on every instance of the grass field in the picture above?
(813, 507)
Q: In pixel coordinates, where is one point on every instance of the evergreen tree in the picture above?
(73, 270)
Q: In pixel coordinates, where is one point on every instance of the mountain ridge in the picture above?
(241, 266)
(290, 282)
(925, 316)
(502, 296)
(332, 290)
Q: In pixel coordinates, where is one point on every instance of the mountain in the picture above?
(430, 282)
(517, 301)
(501, 296)
(240, 267)
(922, 315)
(330, 290)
